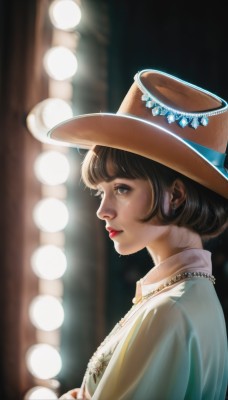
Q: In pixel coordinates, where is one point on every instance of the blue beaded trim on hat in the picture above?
(182, 118)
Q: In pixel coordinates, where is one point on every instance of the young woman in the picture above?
(158, 167)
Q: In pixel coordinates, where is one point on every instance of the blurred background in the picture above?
(63, 287)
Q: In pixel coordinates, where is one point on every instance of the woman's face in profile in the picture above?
(124, 203)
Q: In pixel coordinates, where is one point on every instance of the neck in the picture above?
(174, 240)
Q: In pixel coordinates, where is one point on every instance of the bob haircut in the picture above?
(203, 211)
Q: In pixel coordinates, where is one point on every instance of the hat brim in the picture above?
(157, 143)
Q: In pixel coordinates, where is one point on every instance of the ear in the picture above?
(177, 194)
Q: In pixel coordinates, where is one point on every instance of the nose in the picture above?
(106, 210)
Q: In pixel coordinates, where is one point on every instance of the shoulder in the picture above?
(161, 315)
(189, 306)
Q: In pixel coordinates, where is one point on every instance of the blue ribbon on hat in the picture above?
(214, 157)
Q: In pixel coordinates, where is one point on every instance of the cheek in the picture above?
(145, 204)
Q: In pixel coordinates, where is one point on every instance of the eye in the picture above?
(121, 189)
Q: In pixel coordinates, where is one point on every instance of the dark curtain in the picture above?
(22, 86)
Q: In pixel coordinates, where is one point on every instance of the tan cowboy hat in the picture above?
(164, 119)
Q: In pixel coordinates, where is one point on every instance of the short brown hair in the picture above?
(203, 211)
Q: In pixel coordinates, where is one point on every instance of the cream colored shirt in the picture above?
(170, 346)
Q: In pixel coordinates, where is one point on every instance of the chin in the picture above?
(127, 251)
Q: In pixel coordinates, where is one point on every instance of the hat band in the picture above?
(182, 118)
(214, 157)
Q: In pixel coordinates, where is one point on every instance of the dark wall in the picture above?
(188, 39)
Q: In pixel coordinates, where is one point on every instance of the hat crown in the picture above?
(163, 99)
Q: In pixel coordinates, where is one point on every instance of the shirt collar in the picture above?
(189, 260)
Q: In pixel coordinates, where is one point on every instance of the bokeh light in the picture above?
(55, 111)
(46, 312)
(49, 262)
(51, 215)
(40, 393)
(43, 361)
(65, 14)
(45, 115)
(52, 168)
(60, 63)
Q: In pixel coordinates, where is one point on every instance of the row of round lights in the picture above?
(50, 214)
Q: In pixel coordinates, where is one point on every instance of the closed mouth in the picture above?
(113, 232)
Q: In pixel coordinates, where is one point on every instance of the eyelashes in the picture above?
(119, 190)
(122, 189)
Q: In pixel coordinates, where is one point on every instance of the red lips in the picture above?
(112, 232)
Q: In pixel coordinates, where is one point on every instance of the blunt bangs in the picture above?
(105, 163)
